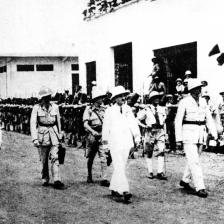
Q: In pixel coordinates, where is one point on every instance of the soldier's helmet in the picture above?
(194, 83)
(179, 80)
(188, 73)
(153, 95)
(45, 91)
(119, 91)
(98, 94)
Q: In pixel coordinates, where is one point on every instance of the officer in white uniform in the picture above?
(192, 117)
(120, 132)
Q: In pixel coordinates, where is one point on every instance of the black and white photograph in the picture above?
(111, 112)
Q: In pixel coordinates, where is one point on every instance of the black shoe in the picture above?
(116, 194)
(150, 176)
(89, 180)
(161, 176)
(202, 193)
(45, 184)
(186, 186)
(58, 185)
(105, 183)
(127, 196)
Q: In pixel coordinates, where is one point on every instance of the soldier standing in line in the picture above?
(154, 116)
(0, 137)
(45, 128)
(93, 121)
(221, 109)
(120, 132)
(192, 117)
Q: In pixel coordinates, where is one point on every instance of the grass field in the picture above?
(24, 200)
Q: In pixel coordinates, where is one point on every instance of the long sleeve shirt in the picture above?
(120, 130)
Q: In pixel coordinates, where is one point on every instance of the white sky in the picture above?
(54, 26)
(39, 26)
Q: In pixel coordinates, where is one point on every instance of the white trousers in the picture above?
(193, 167)
(119, 181)
(161, 159)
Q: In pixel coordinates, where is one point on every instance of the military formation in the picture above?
(115, 125)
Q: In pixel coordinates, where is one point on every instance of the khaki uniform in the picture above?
(46, 128)
(221, 112)
(0, 137)
(155, 136)
(190, 123)
(95, 117)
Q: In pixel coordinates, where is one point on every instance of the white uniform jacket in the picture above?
(120, 130)
(190, 111)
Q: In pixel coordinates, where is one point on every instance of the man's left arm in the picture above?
(210, 123)
(58, 122)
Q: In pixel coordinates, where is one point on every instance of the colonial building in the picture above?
(23, 76)
(120, 43)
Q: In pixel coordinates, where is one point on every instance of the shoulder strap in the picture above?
(98, 116)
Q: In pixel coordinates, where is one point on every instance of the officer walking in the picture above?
(154, 116)
(46, 134)
(120, 131)
(93, 121)
(192, 116)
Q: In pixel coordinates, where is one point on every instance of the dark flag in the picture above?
(214, 50)
(220, 59)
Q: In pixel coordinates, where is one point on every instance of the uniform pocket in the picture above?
(44, 137)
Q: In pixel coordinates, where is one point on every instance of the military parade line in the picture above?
(114, 126)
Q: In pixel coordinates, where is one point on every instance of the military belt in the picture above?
(157, 126)
(194, 122)
(46, 125)
(97, 129)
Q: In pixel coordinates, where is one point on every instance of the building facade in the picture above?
(23, 76)
(119, 45)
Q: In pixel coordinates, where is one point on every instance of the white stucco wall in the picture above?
(153, 25)
(27, 84)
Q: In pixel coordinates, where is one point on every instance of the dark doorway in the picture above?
(123, 65)
(90, 75)
(75, 82)
(175, 61)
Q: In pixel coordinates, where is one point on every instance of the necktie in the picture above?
(156, 116)
(121, 110)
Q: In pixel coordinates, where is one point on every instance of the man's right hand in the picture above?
(179, 145)
(36, 143)
(95, 133)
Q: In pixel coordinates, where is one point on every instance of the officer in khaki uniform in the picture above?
(93, 121)
(154, 116)
(45, 128)
(192, 117)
